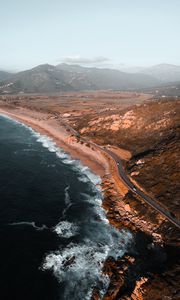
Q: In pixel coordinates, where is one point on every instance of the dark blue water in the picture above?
(54, 234)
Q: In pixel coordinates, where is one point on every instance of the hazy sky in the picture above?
(91, 32)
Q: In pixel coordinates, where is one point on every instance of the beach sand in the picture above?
(51, 126)
(118, 212)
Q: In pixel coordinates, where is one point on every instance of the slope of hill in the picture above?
(151, 132)
(106, 78)
(4, 75)
(48, 78)
(163, 72)
(43, 78)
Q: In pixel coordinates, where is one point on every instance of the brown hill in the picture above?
(151, 132)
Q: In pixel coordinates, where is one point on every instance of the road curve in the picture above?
(125, 178)
(139, 192)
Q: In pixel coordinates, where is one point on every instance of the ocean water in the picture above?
(53, 230)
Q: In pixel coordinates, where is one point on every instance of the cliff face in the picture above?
(157, 171)
(151, 132)
(139, 128)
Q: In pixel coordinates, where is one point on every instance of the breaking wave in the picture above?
(85, 174)
(87, 242)
(66, 229)
(80, 265)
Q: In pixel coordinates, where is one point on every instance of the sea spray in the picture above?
(80, 265)
(86, 239)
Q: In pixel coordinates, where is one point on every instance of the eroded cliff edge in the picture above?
(150, 131)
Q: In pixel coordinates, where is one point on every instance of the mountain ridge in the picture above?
(64, 77)
(165, 72)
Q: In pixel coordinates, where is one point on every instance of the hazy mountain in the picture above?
(95, 78)
(163, 72)
(43, 78)
(64, 77)
(4, 75)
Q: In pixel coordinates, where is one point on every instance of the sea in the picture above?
(54, 233)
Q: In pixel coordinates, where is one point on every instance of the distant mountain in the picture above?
(4, 75)
(164, 72)
(44, 78)
(48, 79)
(95, 78)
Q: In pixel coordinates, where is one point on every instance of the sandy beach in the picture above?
(99, 162)
(48, 125)
(120, 213)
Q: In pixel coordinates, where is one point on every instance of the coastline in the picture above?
(48, 125)
(19, 119)
(150, 265)
(119, 213)
(96, 160)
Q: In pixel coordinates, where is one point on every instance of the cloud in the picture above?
(84, 60)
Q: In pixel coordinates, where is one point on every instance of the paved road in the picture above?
(126, 180)
(137, 191)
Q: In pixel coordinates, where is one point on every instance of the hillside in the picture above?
(162, 79)
(48, 79)
(94, 78)
(151, 133)
(164, 72)
(44, 78)
(4, 75)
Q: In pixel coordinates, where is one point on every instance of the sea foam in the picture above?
(79, 265)
(33, 224)
(66, 229)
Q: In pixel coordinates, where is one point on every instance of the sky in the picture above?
(102, 33)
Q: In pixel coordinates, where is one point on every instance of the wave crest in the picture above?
(66, 229)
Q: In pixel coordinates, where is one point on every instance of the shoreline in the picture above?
(114, 191)
(119, 212)
(101, 170)
(48, 125)
(98, 161)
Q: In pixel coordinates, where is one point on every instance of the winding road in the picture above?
(123, 177)
(139, 192)
(126, 180)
